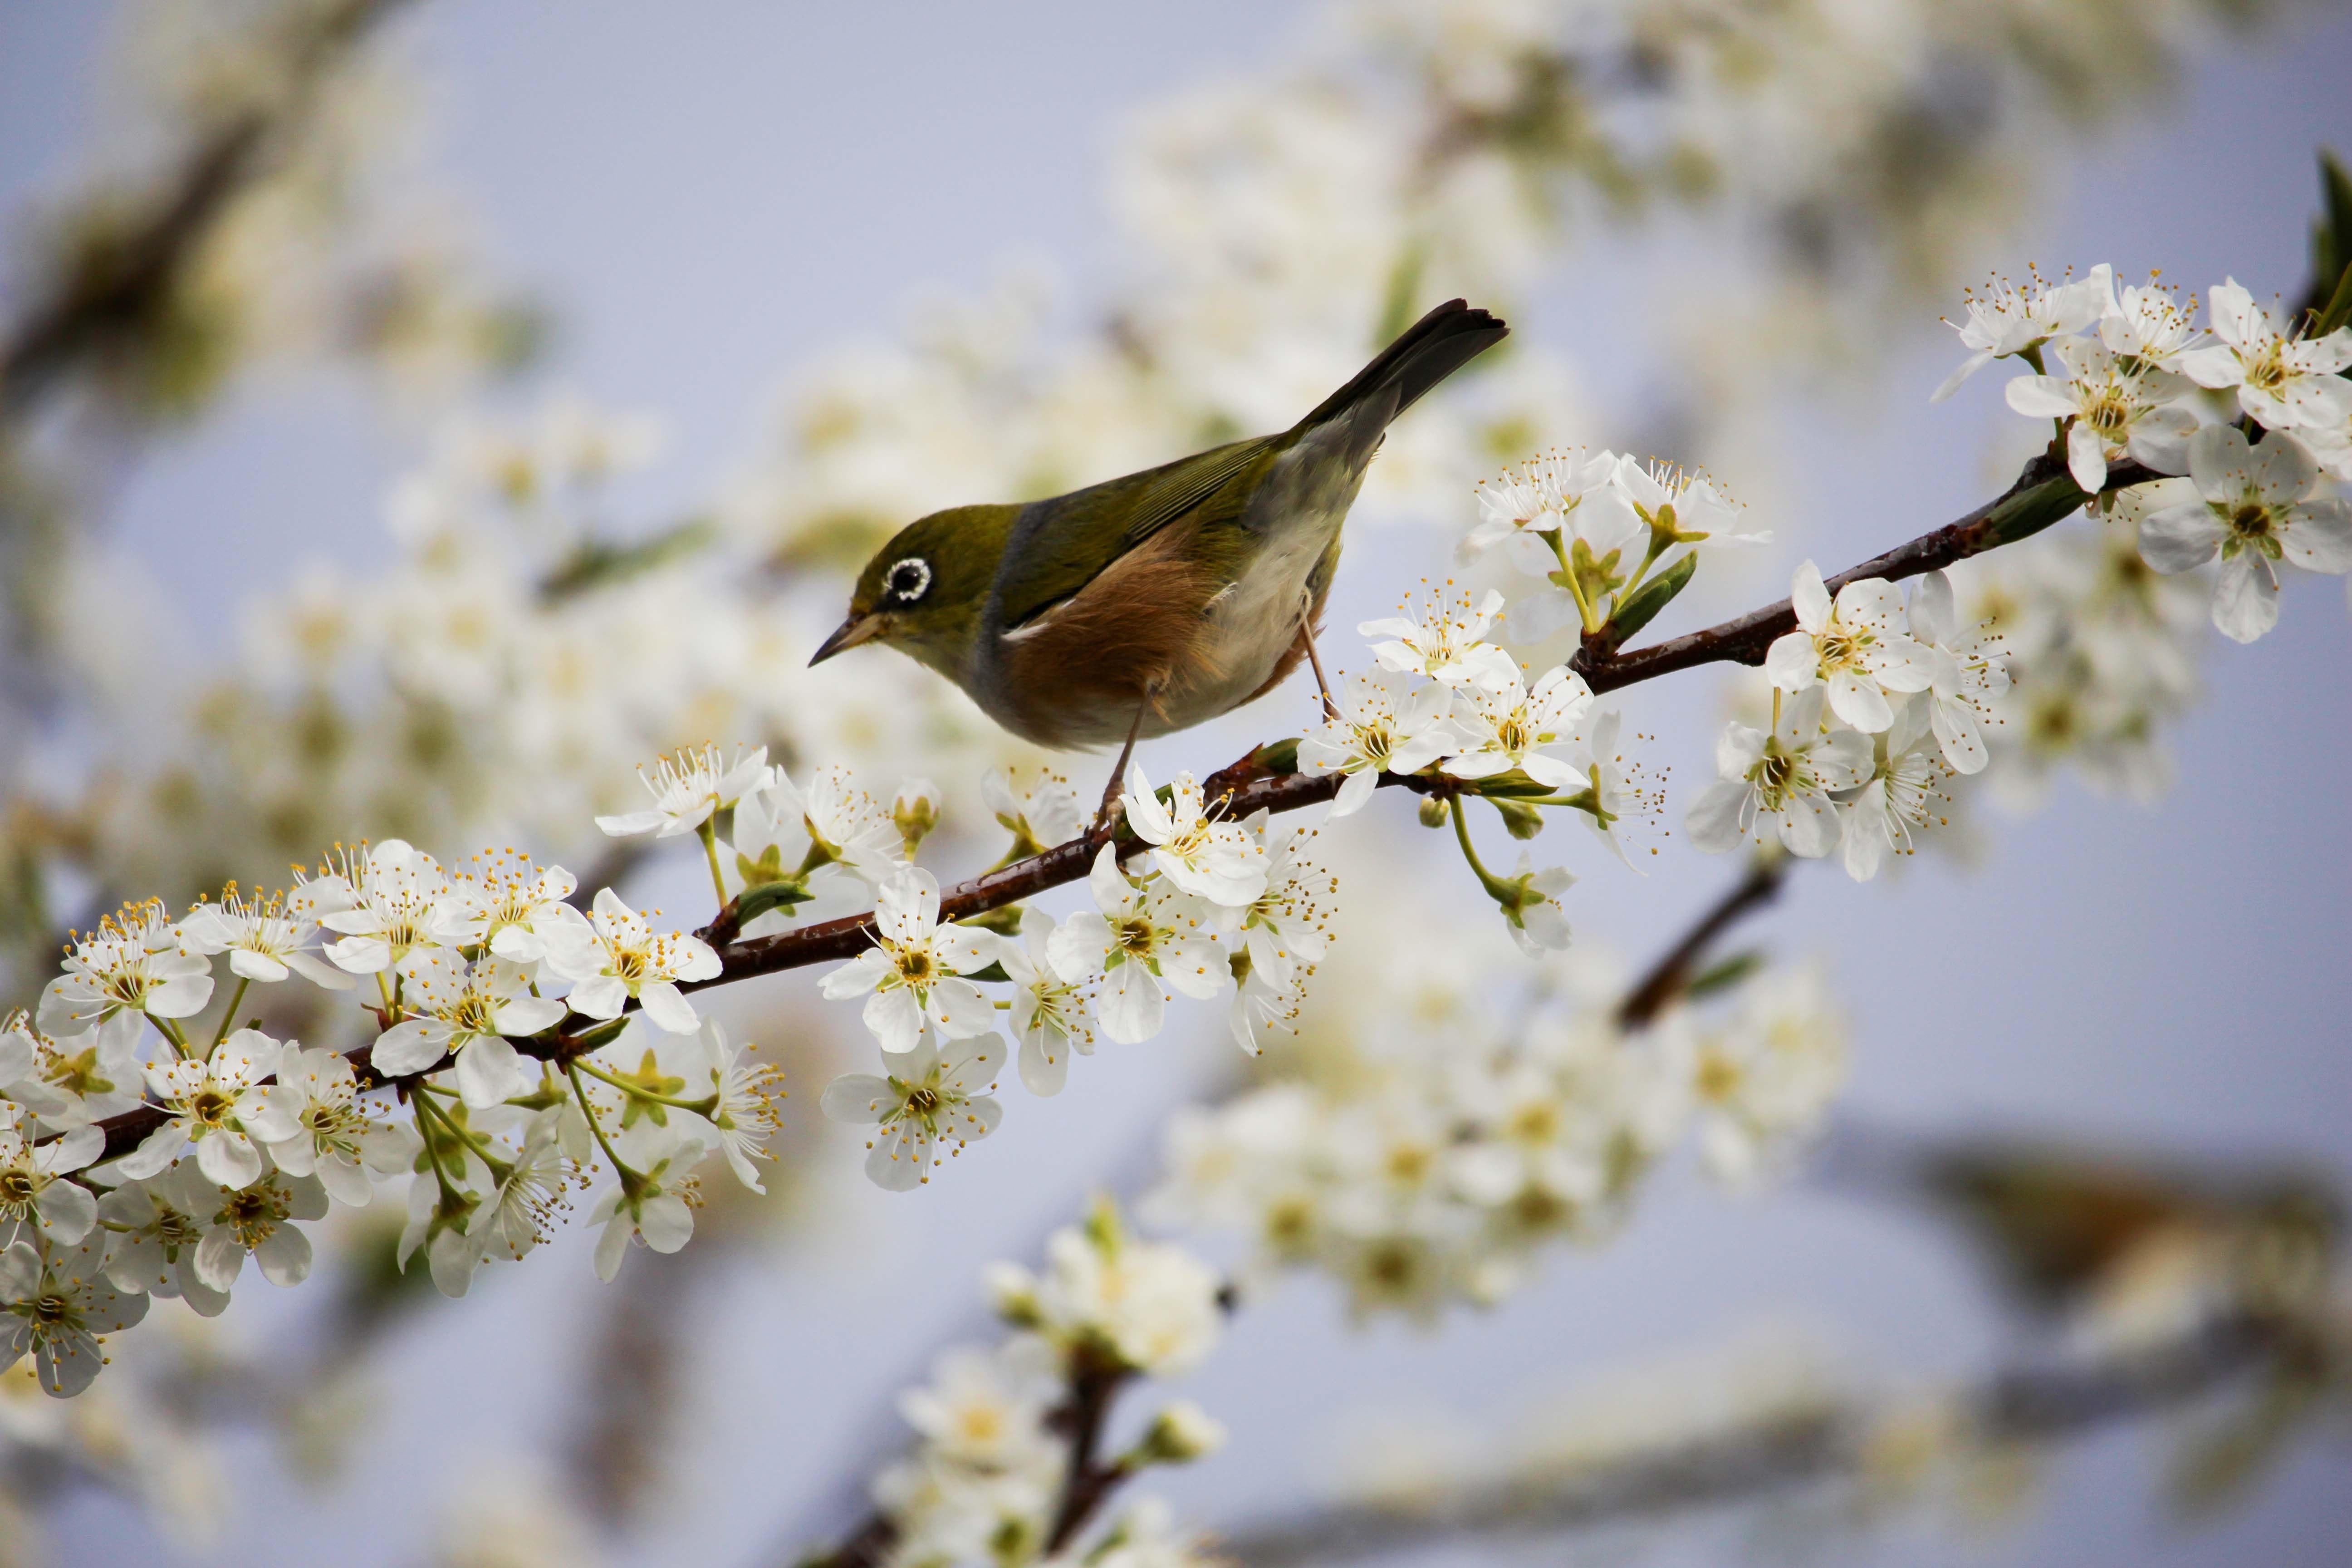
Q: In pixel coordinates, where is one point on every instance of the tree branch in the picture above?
(1260, 781)
(1777, 1453)
(107, 295)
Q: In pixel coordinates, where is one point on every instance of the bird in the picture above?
(1148, 603)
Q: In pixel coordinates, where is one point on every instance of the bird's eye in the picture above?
(908, 579)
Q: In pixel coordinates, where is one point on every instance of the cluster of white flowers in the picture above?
(1210, 906)
(1442, 1170)
(2102, 652)
(1874, 704)
(1449, 708)
(992, 1474)
(2147, 385)
(253, 1136)
(1596, 529)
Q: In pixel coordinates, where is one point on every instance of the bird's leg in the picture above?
(1315, 660)
(1105, 822)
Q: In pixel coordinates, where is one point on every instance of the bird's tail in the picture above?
(1425, 354)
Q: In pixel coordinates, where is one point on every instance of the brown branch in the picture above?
(1781, 1452)
(1094, 1385)
(1666, 981)
(2041, 495)
(1252, 782)
(107, 297)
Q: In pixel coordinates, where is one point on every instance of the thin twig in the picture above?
(95, 305)
(1781, 1452)
(1657, 989)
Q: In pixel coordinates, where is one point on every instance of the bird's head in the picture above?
(924, 591)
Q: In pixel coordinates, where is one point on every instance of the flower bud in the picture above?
(916, 811)
(1524, 821)
(1432, 810)
(1179, 1435)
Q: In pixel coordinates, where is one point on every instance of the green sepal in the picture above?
(1510, 785)
(1520, 820)
(2023, 515)
(1273, 757)
(1004, 920)
(1642, 606)
(604, 1034)
(753, 901)
(992, 976)
(1723, 975)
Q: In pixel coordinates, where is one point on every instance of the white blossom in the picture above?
(1447, 645)
(1140, 941)
(2255, 508)
(1683, 507)
(509, 905)
(334, 1138)
(932, 1096)
(1151, 1306)
(156, 1225)
(1508, 726)
(1218, 860)
(56, 1311)
(1858, 645)
(1966, 673)
(2147, 324)
(264, 942)
(1764, 1083)
(2118, 410)
(34, 1194)
(1383, 725)
(256, 1219)
(470, 1010)
(2010, 319)
(1782, 780)
(395, 888)
(618, 956)
(650, 1207)
(911, 977)
(1051, 1016)
(985, 1409)
(688, 788)
(2283, 382)
(746, 1092)
(219, 1104)
(135, 962)
(515, 1216)
(1880, 817)
(1046, 814)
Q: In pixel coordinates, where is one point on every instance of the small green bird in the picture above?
(1150, 604)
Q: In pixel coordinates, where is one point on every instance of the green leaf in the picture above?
(2331, 247)
(1643, 604)
(1005, 919)
(1724, 974)
(595, 563)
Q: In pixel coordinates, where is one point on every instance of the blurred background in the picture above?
(691, 305)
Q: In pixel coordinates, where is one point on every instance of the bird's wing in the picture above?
(1070, 539)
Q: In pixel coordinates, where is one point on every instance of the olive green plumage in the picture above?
(1159, 600)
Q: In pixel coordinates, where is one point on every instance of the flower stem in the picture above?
(580, 1090)
(702, 1107)
(708, 832)
(228, 1018)
(1487, 879)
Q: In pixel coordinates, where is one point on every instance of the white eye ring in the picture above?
(904, 592)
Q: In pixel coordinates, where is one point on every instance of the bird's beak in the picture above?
(848, 635)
